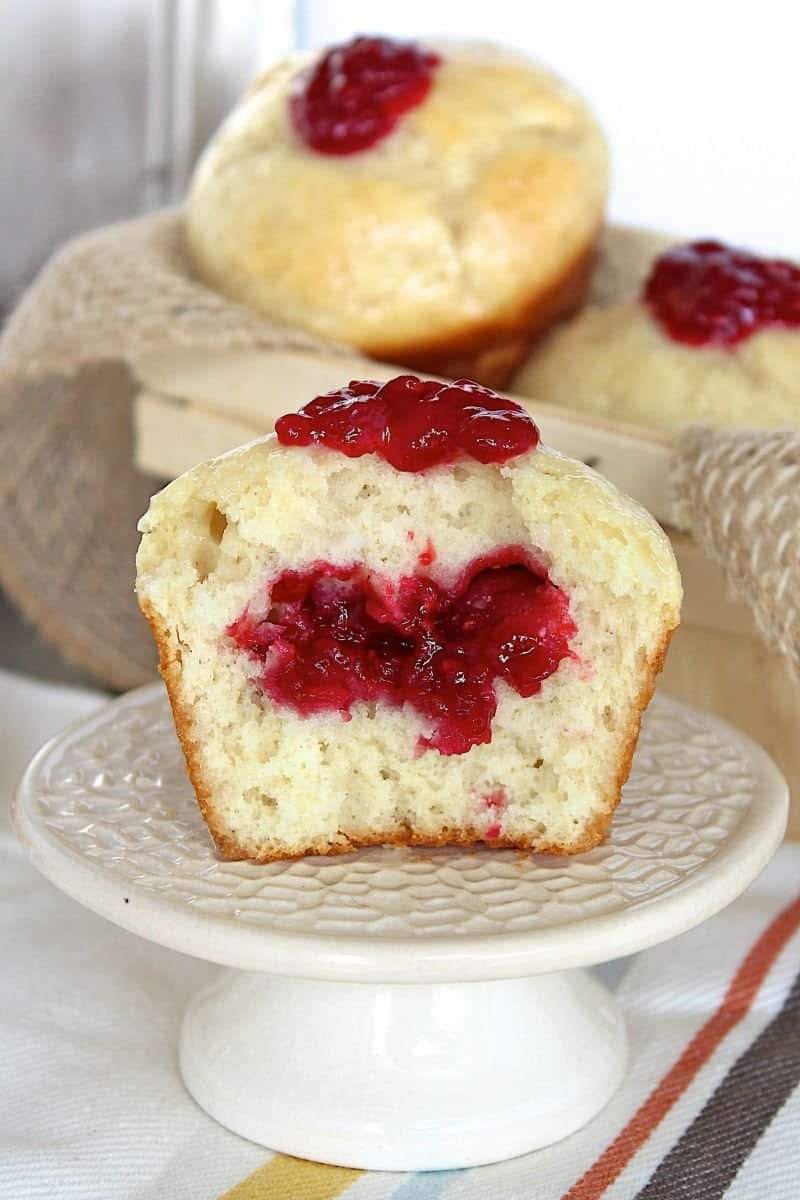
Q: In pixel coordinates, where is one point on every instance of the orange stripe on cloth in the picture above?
(284, 1178)
(735, 1005)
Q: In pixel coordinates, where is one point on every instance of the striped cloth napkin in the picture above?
(93, 1107)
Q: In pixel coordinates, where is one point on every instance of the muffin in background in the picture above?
(712, 338)
(439, 208)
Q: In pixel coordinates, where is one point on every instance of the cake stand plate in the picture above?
(400, 1009)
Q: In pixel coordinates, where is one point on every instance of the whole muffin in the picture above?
(713, 338)
(433, 206)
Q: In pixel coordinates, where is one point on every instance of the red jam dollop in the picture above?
(356, 93)
(413, 423)
(336, 635)
(708, 294)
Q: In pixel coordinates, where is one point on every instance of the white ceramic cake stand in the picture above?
(394, 1009)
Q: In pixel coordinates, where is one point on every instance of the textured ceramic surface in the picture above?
(407, 1039)
(108, 814)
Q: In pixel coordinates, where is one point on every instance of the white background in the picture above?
(106, 102)
(700, 101)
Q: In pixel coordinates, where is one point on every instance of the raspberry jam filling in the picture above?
(335, 635)
(708, 294)
(356, 93)
(413, 423)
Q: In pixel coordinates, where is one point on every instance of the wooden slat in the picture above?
(256, 387)
(739, 679)
(171, 436)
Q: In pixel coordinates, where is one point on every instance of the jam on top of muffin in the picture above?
(709, 294)
(413, 423)
(356, 93)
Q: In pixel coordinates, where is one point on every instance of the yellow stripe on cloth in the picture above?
(284, 1178)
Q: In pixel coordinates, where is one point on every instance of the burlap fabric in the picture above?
(72, 496)
(738, 492)
(70, 501)
(121, 291)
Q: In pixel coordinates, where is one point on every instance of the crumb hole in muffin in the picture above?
(217, 524)
(257, 799)
(179, 647)
(206, 558)
(468, 512)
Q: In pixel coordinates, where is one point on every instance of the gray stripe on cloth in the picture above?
(706, 1158)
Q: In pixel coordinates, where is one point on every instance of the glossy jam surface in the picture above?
(413, 423)
(356, 93)
(708, 294)
(336, 635)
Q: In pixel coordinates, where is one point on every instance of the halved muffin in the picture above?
(401, 619)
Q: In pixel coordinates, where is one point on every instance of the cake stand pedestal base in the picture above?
(403, 1077)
